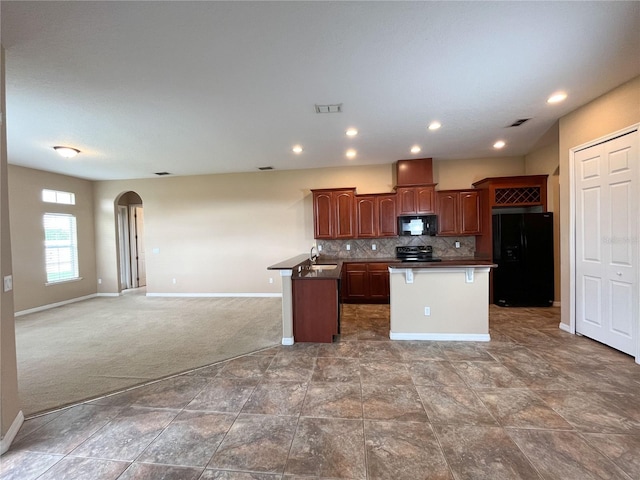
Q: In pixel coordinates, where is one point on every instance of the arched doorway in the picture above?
(131, 252)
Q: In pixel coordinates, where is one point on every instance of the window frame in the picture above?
(67, 242)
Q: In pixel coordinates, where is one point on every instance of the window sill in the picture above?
(60, 282)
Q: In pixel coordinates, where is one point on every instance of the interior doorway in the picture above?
(131, 251)
(606, 188)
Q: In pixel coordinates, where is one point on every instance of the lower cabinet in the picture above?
(365, 283)
(315, 310)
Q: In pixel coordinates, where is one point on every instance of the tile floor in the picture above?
(535, 402)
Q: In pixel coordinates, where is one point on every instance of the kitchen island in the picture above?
(446, 300)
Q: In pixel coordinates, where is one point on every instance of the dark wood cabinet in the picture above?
(417, 200)
(459, 212)
(334, 213)
(315, 310)
(366, 283)
(376, 216)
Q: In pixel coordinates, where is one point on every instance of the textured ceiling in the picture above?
(214, 87)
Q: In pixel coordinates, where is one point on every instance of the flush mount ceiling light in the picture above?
(499, 144)
(415, 149)
(66, 152)
(351, 132)
(351, 153)
(434, 125)
(297, 149)
(557, 97)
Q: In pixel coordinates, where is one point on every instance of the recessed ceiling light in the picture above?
(297, 149)
(499, 144)
(434, 125)
(557, 97)
(352, 132)
(67, 152)
(351, 153)
(415, 149)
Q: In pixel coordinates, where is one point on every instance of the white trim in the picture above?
(566, 328)
(446, 337)
(556, 304)
(287, 341)
(201, 295)
(62, 282)
(54, 305)
(6, 441)
(108, 294)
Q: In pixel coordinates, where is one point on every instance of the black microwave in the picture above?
(418, 225)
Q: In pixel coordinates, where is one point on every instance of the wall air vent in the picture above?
(519, 122)
(335, 108)
(161, 174)
(265, 168)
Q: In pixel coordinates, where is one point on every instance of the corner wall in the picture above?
(613, 111)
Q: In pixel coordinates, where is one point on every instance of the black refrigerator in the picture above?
(523, 251)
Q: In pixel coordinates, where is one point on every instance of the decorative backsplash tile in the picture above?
(386, 247)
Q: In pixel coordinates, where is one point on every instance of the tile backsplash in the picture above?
(386, 247)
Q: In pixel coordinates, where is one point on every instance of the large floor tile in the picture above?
(250, 366)
(403, 451)
(276, 397)
(336, 400)
(235, 475)
(483, 453)
(224, 395)
(487, 375)
(455, 406)
(564, 455)
(127, 435)
(434, 373)
(23, 465)
(336, 370)
(623, 450)
(392, 402)
(189, 440)
(145, 471)
(292, 367)
(324, 447)
(71, 468)
(391, 373)
(257, 443)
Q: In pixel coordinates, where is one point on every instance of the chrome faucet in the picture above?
(312, 257)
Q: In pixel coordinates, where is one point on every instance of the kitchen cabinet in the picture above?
(459, 212)
(315, 310)
(376, 216)
(366, 283)
(417, 200)
(334, 213)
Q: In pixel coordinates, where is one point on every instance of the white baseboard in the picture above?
(108, 294)
(214, 295)
(287, 340)
(446, 337)
(556, 304)
(54, 305)
(565, 328)
(6, 441)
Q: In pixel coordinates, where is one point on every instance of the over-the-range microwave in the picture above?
(417, 225)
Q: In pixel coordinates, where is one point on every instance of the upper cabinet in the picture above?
(334, 213)
(459, 212)
(376, 216)
(417, 200)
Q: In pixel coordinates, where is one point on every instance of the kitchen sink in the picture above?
(326, 266)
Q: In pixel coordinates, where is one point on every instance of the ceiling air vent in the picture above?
(265, 168)
(519, 122)
(160, 174)
(335, 108)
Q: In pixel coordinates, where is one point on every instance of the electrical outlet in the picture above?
(8, 283)
(374, 247)
(427, 311)
(174, 281)
(457, 244)
(348, 246)
(99, 281)
(319, 248)
(270, 279)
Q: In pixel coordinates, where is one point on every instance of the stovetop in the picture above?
(416, 253)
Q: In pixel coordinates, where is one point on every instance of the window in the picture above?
(54, 196)
(61, 247)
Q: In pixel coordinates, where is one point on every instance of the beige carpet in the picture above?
(98, 346)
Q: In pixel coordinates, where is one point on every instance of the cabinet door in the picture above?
(323, 215)
(315, 310)
(470, 213)
(406, 201)
(447, 213)
(367, 216)
(424, 200)
(344, 214)
(387, 216)
(378, 281)
(357, 285)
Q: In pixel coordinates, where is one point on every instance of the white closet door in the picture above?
(607, 286)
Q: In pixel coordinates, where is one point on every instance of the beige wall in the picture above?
(27, 209)
(9, 405)
(459, 174)
(545, 161)
(607, 114)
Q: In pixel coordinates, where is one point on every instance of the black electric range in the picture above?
(416, 253)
